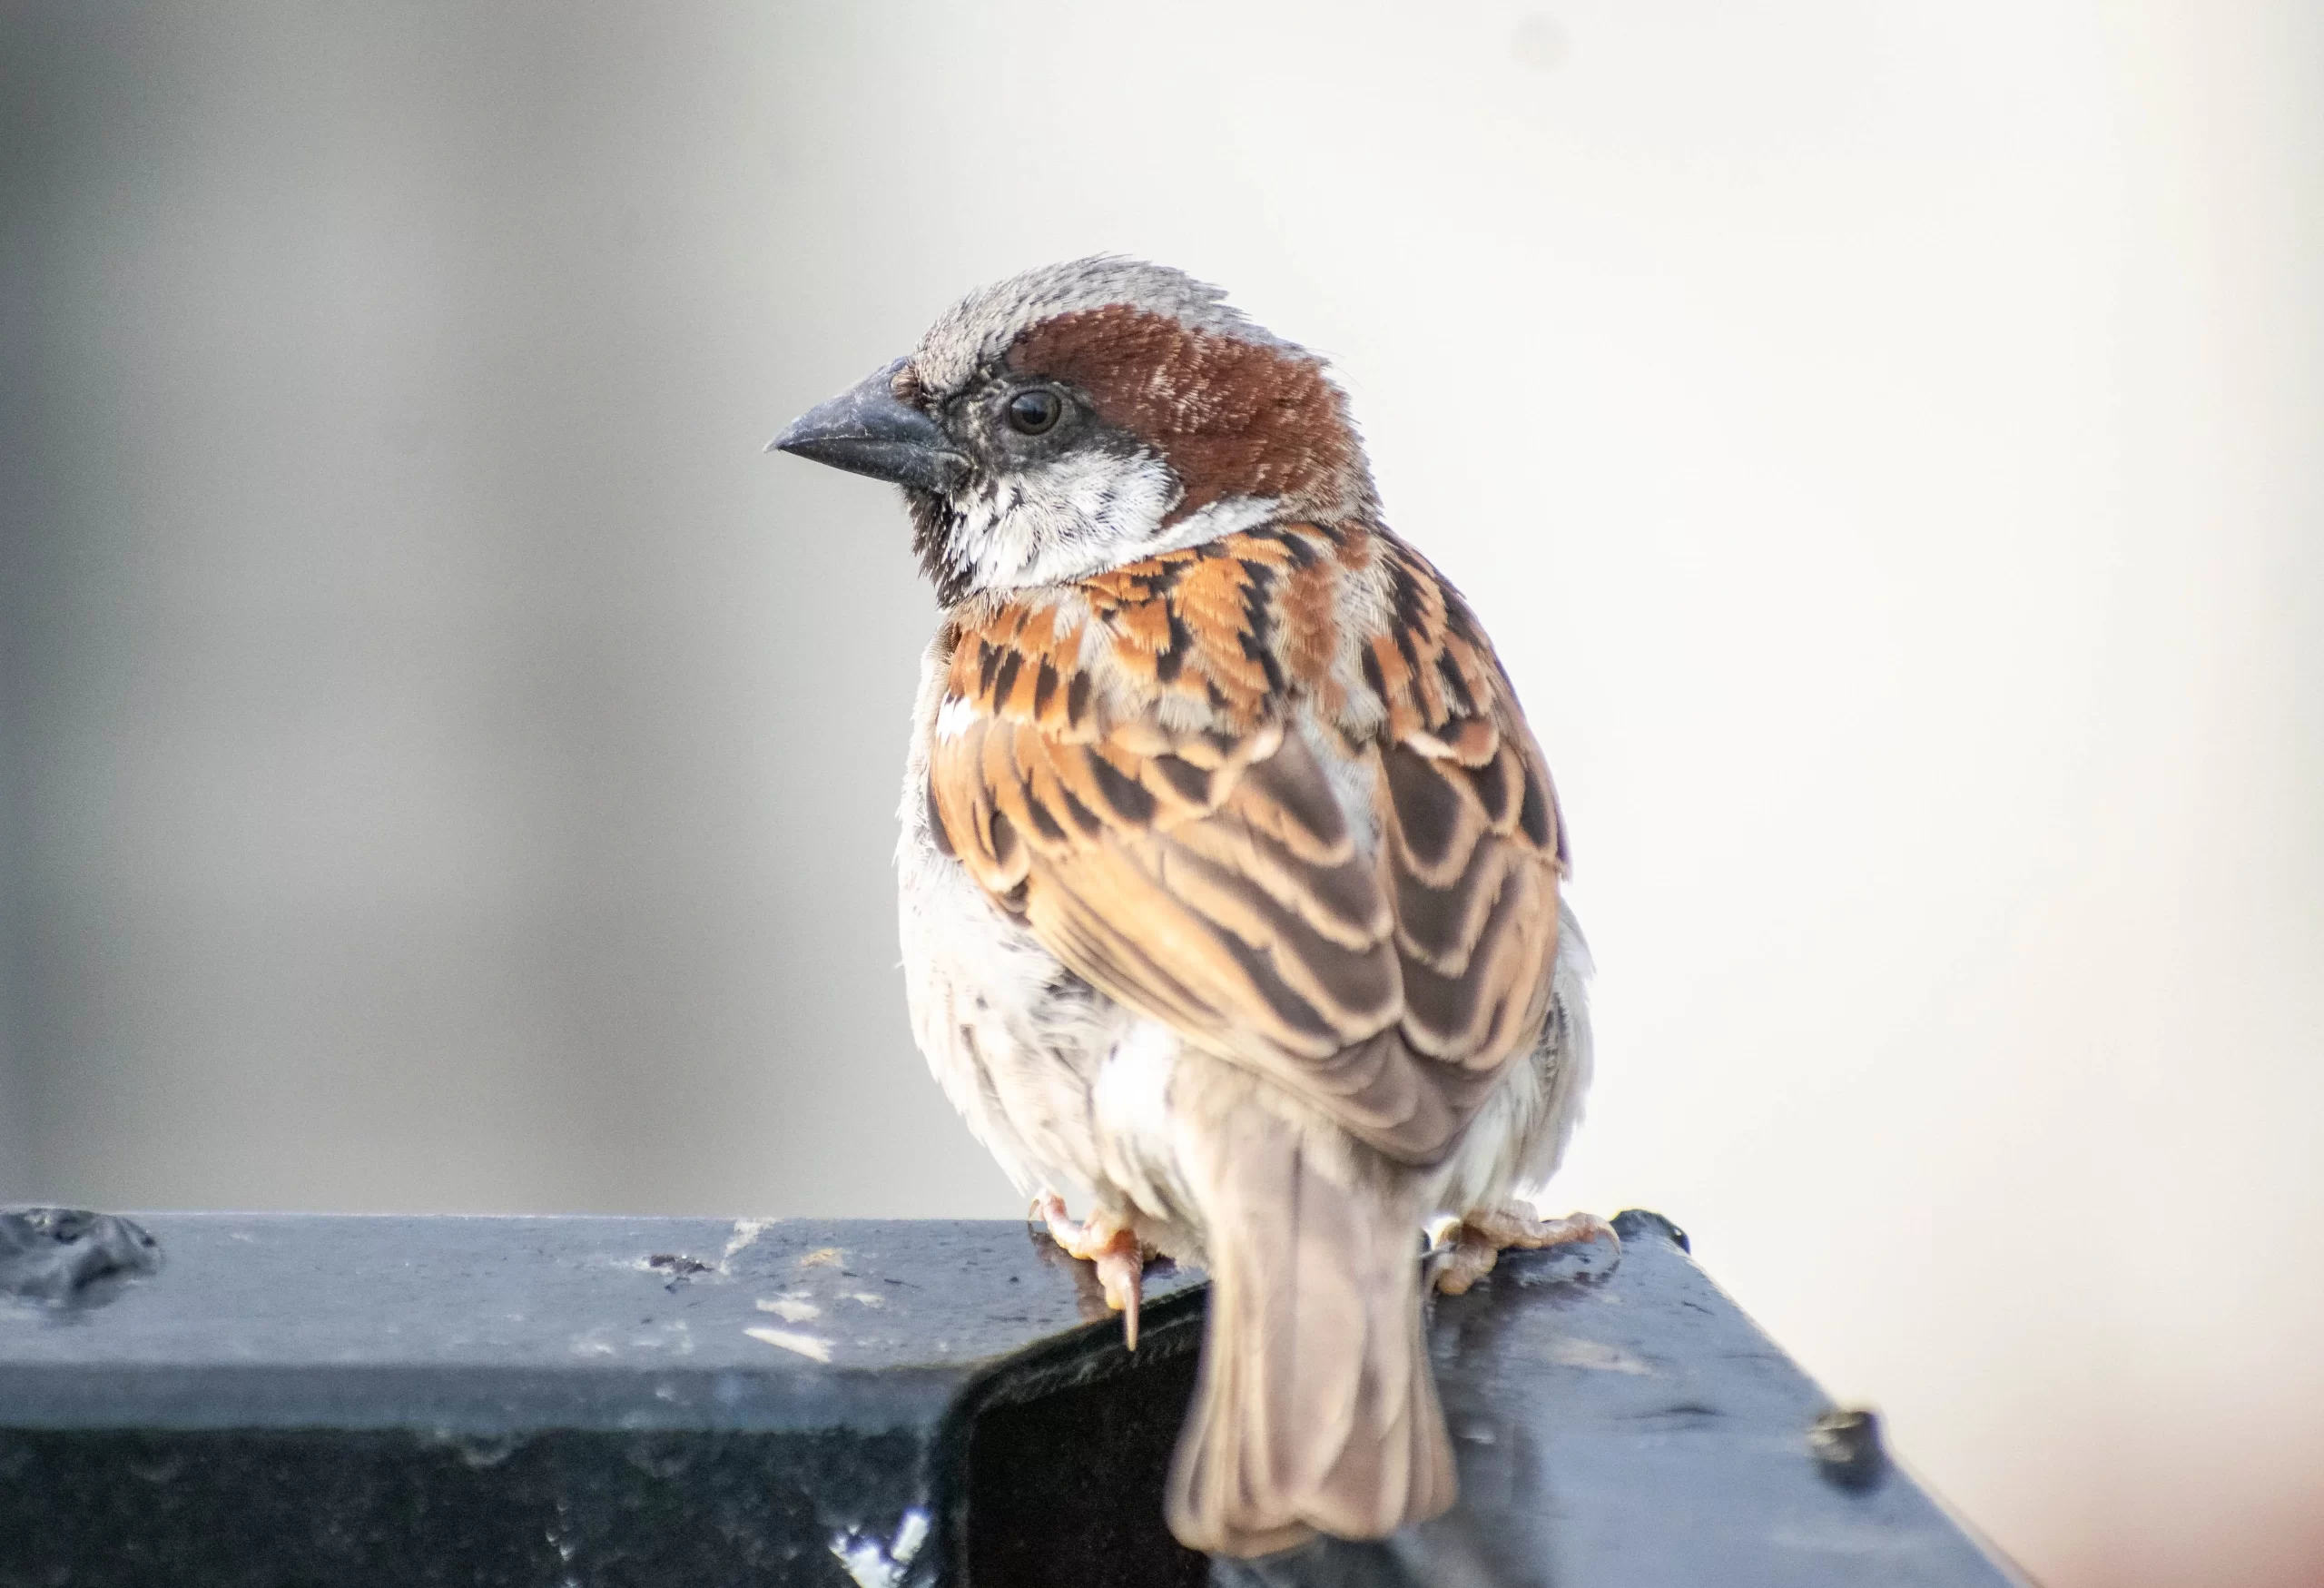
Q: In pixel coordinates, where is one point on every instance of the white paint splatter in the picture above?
(674, 1336)
(746, 1231)
(813, 1346)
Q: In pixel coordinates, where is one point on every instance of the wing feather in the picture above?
(1384, 967)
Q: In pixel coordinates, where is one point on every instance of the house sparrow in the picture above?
(1229, 867)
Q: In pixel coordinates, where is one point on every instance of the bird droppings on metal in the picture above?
(674, 1336)
(1573, 1351)
(827, 1256)
(746, 1234)
(365, 1419)
(813, 1346)
(790, 1308)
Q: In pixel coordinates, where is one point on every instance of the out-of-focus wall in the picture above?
(444, 765)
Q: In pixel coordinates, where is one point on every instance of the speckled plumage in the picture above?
(1229, 871)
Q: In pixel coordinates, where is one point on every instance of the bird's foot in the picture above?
(1465, 1249)
(1102, 1239)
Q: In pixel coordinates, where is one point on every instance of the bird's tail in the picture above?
(1316, 1410)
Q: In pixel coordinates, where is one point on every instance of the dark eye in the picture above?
(1035, 410)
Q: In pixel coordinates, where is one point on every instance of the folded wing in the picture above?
(1382, 962)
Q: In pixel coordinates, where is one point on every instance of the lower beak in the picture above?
(868, 430)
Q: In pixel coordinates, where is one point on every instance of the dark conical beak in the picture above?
(868, 430)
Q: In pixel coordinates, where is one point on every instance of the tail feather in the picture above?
(1315, 1410)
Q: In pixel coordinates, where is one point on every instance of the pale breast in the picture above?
(1014, 1037)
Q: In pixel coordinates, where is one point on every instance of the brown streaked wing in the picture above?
(1247, 919)
(1210, 878)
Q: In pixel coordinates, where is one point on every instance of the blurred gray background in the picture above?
(444, 765)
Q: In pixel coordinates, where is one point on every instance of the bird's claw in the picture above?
(1465, 1249)
(1118, 1255)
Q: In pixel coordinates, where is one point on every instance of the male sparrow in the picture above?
(1229, 867)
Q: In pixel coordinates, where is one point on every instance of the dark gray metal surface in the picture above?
(1626, 1424)
(493, 1326)
(605, 1401)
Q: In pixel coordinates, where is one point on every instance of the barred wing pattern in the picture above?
(1171, 773)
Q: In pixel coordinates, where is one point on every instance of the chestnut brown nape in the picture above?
(1231, 418)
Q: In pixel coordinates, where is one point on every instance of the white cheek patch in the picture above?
(1084, 512)
(953, 717)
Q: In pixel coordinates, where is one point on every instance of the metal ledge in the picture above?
(278, 1400)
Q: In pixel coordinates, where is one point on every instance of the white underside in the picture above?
(1072, 1092)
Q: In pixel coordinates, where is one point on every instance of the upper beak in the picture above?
(868, 430)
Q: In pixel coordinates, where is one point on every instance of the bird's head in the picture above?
(1082, 415)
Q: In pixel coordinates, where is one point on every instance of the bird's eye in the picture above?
(1034, 410)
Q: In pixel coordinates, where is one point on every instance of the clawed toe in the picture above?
(1467, 1250)
(1536, 1233)
(1048, 1211)
(1461, 1264)
(1118, 1255)
(1121, 1269)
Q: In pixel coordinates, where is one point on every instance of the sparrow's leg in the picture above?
(1119, 1256)
(1468, 1248)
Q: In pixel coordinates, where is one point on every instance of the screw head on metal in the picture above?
(1845, 1444)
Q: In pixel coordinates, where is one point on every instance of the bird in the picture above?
(1229, 872)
